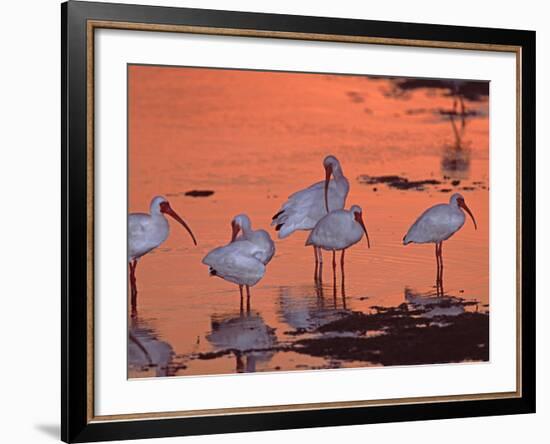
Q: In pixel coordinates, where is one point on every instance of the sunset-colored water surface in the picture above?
(253, 138)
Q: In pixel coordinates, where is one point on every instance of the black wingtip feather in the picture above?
(277, 215)
(278, 227)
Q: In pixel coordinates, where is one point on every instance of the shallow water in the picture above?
(253, 138)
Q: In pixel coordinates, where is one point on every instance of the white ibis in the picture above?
(146, 232)
(437, 224)
(260, 238)
(306, 207)
(241, 261)
(339, 230)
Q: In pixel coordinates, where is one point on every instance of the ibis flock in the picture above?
(318, 208)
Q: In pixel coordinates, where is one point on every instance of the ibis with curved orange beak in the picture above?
(148, 231)
(437, 224)
(306, 207)
(339, 230)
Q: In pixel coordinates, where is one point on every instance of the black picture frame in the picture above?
(76, 423)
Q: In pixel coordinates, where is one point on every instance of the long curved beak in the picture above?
(168, 210)
(328, 171)
(359, 219)
(462, 204)
(234, 230)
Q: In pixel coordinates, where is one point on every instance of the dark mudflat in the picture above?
(398, 182)
(199, 193)
(402, 183)
(463, 338)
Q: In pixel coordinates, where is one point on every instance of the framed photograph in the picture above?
(275, 221)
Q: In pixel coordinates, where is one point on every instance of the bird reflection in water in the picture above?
(455, 160)
(435, 305)
(304, 308)
(147, 354)
(246, 336)
(320, 288)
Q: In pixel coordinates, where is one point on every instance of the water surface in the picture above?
(218, 143)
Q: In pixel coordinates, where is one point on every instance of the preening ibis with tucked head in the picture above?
(306, 207)
(260, 238)
(339, 230)
(242, 261)
(437, 224)
(146, 232)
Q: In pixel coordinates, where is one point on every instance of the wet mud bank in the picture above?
(401, 336)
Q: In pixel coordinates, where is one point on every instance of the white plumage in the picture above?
(243, 260)
(145, 233)
(306, 207)
(238, 262)
(260, 238)
(148, 231)
(338, 230)
(439, 222)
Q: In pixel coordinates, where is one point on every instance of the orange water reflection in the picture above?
(254, 138)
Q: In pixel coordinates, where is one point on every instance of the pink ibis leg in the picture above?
(316, 272)
(133, 287)
(437, 270)
(334, 275)
(439, 278)
(441, 267)
(343, 277)
(247, 299)
(241, 292)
